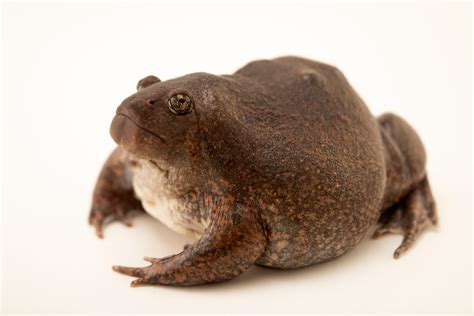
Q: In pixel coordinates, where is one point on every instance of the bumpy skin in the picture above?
(113, 198)
(282, 159)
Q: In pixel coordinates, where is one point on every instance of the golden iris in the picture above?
(180, 104)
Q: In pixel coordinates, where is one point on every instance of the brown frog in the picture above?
(280, 164)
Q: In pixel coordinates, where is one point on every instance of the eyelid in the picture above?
(179, 91)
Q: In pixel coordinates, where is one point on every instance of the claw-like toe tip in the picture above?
(121, 269)
(136, 272)
(99, 233)
(151, 259)
(397, 253)
(137, 283)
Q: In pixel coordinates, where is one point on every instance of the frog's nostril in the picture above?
(151, 102)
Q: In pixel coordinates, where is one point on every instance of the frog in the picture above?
(280, 164)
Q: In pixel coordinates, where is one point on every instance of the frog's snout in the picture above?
(125, 132)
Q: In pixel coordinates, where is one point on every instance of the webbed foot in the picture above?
(415, 213)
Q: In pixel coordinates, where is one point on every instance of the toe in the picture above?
(386, 229)
(151, 259)
(379, 232)
(131, 271)
(96, 219)
(139, 282)
(99, 231)
(399, 251)
(127, 222)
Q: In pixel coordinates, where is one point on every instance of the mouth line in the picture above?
(143, 128)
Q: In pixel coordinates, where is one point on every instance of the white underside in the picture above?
(149, 188)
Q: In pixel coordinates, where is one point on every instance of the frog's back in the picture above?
(318, 156)
(311, 108)
(307, 88)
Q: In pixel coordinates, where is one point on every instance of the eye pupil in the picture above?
(180, 104)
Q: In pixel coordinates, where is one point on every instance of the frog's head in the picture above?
(161, 121)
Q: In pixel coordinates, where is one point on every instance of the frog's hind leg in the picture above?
(413, 214)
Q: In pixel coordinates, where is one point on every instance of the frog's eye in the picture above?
(180, 104)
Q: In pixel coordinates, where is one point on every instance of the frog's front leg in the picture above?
(113, 198)
(232, 242)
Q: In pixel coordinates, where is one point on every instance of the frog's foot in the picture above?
(415, 213)
(116, 207)
(230, 246)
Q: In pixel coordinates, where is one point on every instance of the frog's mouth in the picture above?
(131, 136)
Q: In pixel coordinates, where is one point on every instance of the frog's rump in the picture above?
(405, 157)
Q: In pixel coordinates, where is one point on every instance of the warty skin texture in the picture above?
(281, 164)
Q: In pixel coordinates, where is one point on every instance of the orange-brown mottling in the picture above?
(113, 198)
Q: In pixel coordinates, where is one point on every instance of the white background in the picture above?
(66, 68)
